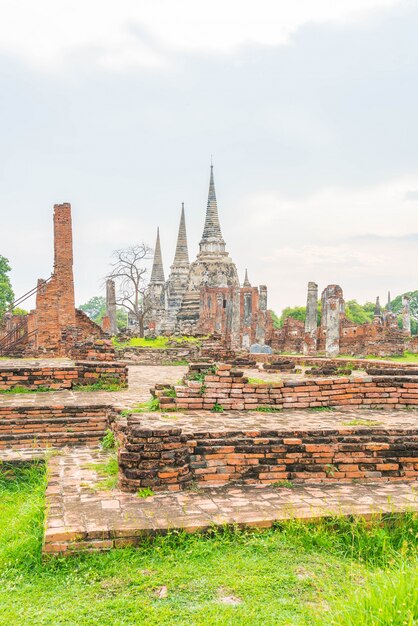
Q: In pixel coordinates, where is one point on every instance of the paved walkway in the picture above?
(82, 516)
(289, 419)
(140, 379)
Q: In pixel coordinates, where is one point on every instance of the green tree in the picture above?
(359, 313)
(397, 305)
(6, 292)
(297, 312)
(95, 308)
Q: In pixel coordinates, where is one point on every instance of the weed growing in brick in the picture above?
(102, 384)
(145, 492)
(268, 409)
(109, 440)
(217, 408)
(21, 389)
(283, 484)
(322, 408)
(108, 470)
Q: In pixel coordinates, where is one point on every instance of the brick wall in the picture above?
(231, 390)
(53, 426)
(154, 356)
(94, 350)
(64, 377)
(168, 459)
(352, 363)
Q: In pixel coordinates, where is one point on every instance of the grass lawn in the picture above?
(158, 343)
(337, 573)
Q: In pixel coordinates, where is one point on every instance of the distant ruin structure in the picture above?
(339, 335)
(406, 314)
(311, 321)
(109, 323)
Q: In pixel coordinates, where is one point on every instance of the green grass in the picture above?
(109, 441)
(102, 384)
(268, 409)
(321, 408)
(337, 572)
(145, 492)
(159, 343)
(151, 406)
(176, 363)
(108, 470)
(260, 381)
(21, 389)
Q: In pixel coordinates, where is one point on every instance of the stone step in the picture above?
(50, 440)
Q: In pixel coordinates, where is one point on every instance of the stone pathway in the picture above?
(81, 516)
(140, 379)
(288, 419)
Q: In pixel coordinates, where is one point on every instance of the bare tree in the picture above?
(130, 275)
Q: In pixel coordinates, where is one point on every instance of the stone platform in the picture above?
(81, 516)
(172, 451)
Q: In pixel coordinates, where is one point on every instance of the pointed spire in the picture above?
(182, 254)
(246, 281)
(157, 274)
(212, 229)
(388, 306)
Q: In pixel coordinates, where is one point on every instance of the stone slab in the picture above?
(80, 516)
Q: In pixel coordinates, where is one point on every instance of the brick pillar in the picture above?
(311, 324)
(332, 308)
(260, 331)
(406, 314)
(111, 306)
(63, 264)
(158, 459)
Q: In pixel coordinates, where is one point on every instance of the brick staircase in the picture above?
(23, 427)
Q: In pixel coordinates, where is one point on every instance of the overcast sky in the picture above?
(310, 109)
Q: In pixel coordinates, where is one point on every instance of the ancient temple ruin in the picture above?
(336, 334)
(55, 326)
(206, 296)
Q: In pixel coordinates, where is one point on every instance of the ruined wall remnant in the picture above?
(406, 314)
(332, 308)
(311, 322)
(109, 323)
(55, 325)
(55, 305)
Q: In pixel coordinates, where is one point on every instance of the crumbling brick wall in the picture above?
(63, 376)
(166, 458)
(232, 391)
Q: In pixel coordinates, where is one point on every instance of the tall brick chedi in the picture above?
(179, 275)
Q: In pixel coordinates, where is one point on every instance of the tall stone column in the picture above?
(332, 307)
(260, 331)
(236, 319)
(406, 314)
(311, 323)
(111, 306)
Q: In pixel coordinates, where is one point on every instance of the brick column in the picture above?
(63, 264)
(158, 459)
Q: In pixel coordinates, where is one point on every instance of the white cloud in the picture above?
(379, 209)
(129, 33)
